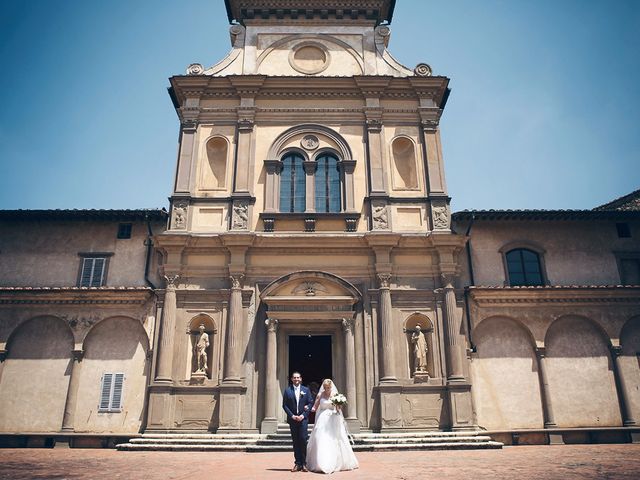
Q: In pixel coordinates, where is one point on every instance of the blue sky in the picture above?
(544, 111)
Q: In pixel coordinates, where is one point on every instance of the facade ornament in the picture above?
(423, 70)
(309, 142)
(189, 125)
(195, 69)
(200, 351)
(245, 125)
(240, 216)
(420, 350)
(271, 324)
(383, 31)
(616, 350)
(3, 355)
(310, 288)
(348, 324)
(172, 281)
(236, 281)
(374, 125)
(429, 124)
(384, 279)
(77, 355)
(440, 218)
(180, 215)
(380, 217)
(447, 280)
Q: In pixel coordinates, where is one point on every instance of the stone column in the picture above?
(72, 392)
(165, 355)
(310, 168)
(233, 363)
(272, 192)
(547, 408)
(348, 167)
(621, 387)
(187, 148)
(270, 421)
(348, 325)
(454, 350)
(3, 357)
(388, 350)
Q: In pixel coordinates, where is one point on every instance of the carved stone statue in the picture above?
(202, 344)
(380, 220)
(240, 218)
(440, 218)
(419, 350)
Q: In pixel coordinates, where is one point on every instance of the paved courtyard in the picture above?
(526, 462)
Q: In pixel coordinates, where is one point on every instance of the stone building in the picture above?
(554, 320)
(309, 229)
(77, 316)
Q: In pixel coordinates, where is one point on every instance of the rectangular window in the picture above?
(93, 272)
(111, 392)
(623, 230)
(124, 230)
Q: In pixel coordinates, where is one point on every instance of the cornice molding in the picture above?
(75, 296)
(555, 295)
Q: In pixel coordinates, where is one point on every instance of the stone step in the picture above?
(392, 447)
(197, 447)
(192, 441)
(281, 442)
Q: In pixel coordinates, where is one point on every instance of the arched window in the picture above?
(523, 267)
(292, 184)
(327, 184)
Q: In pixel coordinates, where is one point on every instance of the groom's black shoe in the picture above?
(303, 468)
(296, 468)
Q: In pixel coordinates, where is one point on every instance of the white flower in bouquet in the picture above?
(338, 399)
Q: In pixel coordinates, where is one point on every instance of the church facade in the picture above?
(309, 229)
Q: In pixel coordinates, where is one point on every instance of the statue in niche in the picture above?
(202, 344)
(420, 350)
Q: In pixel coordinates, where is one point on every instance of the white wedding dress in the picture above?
(329, 449)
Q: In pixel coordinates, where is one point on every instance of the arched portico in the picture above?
(309, 303)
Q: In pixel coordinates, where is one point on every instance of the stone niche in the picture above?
(197, 375)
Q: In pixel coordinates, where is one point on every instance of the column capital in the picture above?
(384, 279)
(236, 281)
(541, 352)
(78, 355)
(348, 324)
(310, 166)
(616, 350)
(3, 355)
(273, 166)
(448, 280)
(271, 324)
(172, 281)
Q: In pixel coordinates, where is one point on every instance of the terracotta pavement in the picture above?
(564, 462)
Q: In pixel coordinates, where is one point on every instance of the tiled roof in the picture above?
(627, 203)
(80, 214)
(545, 215)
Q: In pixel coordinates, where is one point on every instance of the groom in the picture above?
(297, 402)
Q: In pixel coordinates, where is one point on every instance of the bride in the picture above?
(329, 450)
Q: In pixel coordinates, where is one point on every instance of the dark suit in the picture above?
(299, 430)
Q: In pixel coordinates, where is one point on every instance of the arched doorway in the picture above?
(310, 320)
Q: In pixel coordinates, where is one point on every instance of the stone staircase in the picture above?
(281, 441)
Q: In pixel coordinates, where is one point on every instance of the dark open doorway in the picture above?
(311, 356)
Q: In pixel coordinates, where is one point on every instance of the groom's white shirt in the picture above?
(297, 392)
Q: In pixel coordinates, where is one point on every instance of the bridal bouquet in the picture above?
(338, 399)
